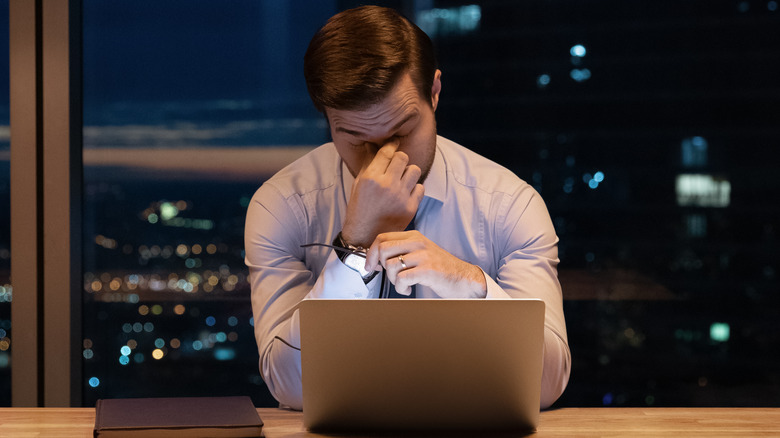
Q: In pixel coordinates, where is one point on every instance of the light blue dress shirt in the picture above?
(474, 208)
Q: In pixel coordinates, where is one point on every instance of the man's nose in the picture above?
(377, 143)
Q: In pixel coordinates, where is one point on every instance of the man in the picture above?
(479, 231)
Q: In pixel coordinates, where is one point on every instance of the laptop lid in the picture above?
(421, 364)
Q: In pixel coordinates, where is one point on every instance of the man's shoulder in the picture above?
(473, 170)
(316, 170)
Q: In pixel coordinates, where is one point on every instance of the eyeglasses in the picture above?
(336, 247)
(384, 290)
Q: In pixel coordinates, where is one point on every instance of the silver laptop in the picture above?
(421, 364)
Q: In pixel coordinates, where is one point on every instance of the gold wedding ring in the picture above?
(401, 259)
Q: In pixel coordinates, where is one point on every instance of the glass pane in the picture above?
(632, 123)
(650, 130)
(188, 107)
(5, 216)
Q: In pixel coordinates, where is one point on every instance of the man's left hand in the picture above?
(410, 258)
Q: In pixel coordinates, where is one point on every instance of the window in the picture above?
(188, 107)
(650, 131)
(670, 289)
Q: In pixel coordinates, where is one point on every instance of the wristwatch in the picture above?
(354, 259)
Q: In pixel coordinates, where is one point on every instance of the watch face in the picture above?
(357, 263)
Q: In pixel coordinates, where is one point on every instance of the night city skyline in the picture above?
(649, 130)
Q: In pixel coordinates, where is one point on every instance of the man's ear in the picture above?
(436, 89)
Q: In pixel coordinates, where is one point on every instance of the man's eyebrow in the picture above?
(395, 128)
(349, 131)
(403, 122)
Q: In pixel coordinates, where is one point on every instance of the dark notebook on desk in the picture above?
(421, 365)
(177, 417)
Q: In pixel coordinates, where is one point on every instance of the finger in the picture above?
(384, 247)
(405, 291)
(405, 278)
(397, 270)
(397, 165)
(402, 285)
(411, 176)
(381, 158)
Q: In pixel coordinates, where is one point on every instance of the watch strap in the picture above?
(339, 243)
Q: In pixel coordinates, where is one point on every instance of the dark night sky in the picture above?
(177, 50)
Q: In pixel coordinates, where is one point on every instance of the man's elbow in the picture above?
(283, 378)
(555, 375)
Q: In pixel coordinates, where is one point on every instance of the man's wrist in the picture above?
(479, 281)
(351, 257)
(351, 240)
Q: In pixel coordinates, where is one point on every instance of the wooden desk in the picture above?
(570, 422)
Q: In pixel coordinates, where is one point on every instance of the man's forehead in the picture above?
(399, 106)
(380, 118)
(361, 127)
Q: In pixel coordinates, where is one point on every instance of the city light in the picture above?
(6, 293)
(580, 75)
(542, 81)
(720, 332)
(594, 180)
(694, 151)
(223, 354)
(578, 51)
(443, 21)
(702, 191)
(168, 211)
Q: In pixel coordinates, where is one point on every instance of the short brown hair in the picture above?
(357, 57)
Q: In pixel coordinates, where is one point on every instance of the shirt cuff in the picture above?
(337, 281)
(493, 289)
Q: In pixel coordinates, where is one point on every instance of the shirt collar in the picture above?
(435, 184)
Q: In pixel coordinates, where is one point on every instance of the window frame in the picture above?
(46, 184)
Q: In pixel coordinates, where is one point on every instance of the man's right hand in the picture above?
(385, 195)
